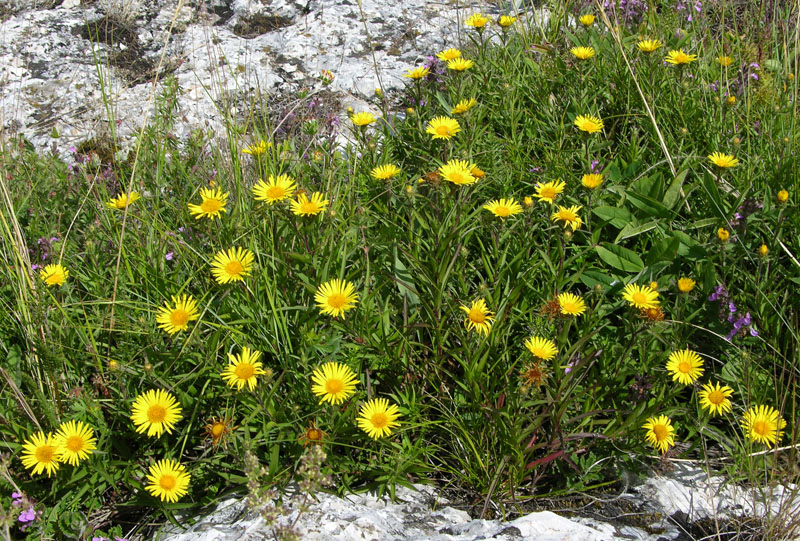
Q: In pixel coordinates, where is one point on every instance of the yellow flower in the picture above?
(589, 123)
(649, 45)
(723, 234)
(660, 433)
(582, 53)
(731, 100)
(592, 180)
(654, 285)
(212, 205)
(783, 196)
(76, 440)
(763, 250)
(477, 20)
(763, 424)
(336, 297)
(587, 20)
(217, 429)
(442, 127)
(528, 201)
(571, 304)
(458, 172)
(463, 106)
(176, 318)
(334, 383)
(679, 58)
(54, 275)
(155, 412)
(477, 172)
(257, 149)
(723, 160)
(123, 200)
(724, 61)
(641, 297)
(169, 480)
(362, 119)
(41, 453)
(503, 208)
(549, 191)
(459, 64)
(543, 348)
(448, 54)
(715, 398)
(569, 216)
(686, 366)
(232, 266)
(419, 72)
(304, 206)
(275, 189)
(385, 172)
(243, 369)
(685, 285)
(377, 418)
(506, 21)
(479, 318)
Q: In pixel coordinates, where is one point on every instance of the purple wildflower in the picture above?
(169, 256)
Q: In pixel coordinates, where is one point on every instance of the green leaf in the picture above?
(619, 257)
(591, 278)
(632, 230)
(647, 204)
(663, 250)
(673, 194)
(404, 280)
(717, 204)
(616, 216)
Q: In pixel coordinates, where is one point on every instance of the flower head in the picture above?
(587, 19)
(685, 365)
(542, 348)
(549, 190)
(685, 285)
(568, 215)
(723, 161)
(155, 411)
(479, 318)
(336, 297)
(660, 433)
(303, 206)
(534, 374)
(763, 424)
(506, 21)
(783, 196)
(362, 119)
(723, 234)
(448, 54)
(274, 189)
(243, 369)
(419, 72)
(459, 64)
(458, 172)
(589, 123)
(334, 383)
(503, 208)
(679, 58)
(233, 265)
(312, 435)
(463, 106)
(477, 21)
(377, 418)
(54, 275)
(442, 127)
(649, 45)
(715, 398)
(763, 250)
(582, 53)
(42, 453)
(217, 429)
(257, 149)
(385, 172)
(212, 206)
(641, 297)
(76, 440)
(592, 180)
(169, 480)
(724, 61)
(123, 200)
(571, 304)
(175, 317)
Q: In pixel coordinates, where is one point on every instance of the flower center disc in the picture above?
(245, 371)
(716, 397)
(502, 211)
(334, 386)
(275, 192)
(442, 130)
(476, 316)
(639, 298)
(217, 429)
(761, 428)
(179, 317)
(234, 268)
(337, 300)
(167, 482)
(156, 413)
(74, 443)
(685, 367)
(210, 206)
(379, 420)
(44, 453)
(661, 432)
(548, 193)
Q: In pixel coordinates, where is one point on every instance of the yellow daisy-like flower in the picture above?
(715, 398)
(459, 64)
(543, 348)
(385, 172)
(419, 72)
(363, 119)
(571, 304)
(569, 216)
(592, 180)
(783, 196)
(274, 189)
(176, 317)
(660, 433)
(649, 45)
(442, 127)
(458, 172)
(463, 106)
(679, 58)
(75, 440)
(723, 161)
(528, 201)
(232, 266)
(763, 424)
(214, 201)
(763, 250)
(723, 234)
(479, 318)
(503, 208)
(304, 206)
(336, 297)
(257, 149)
(377, 418)
(243, 369)
(334, 383)
(589, 123)
(685, 365)
(123, 200)
(448, 54)
(477, 172)
(549, 191)
(587, 20)
(641, 297)
(582, 53)
(506, 21)
(156, 412)
(41, 453)
(724, 61)
(169, 480)
(654, 285)
(685, 285)
(477, 21)
(54, 275)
